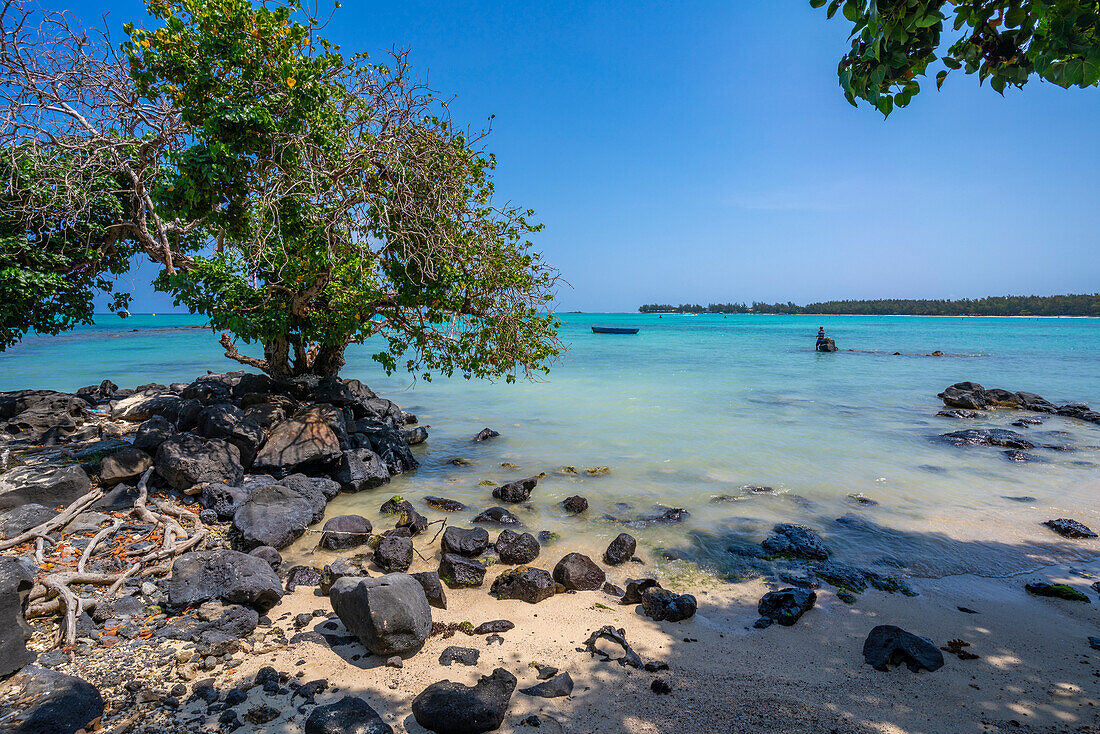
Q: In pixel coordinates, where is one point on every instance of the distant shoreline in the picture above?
(870, 315)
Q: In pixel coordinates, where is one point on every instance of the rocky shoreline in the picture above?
(141, 532)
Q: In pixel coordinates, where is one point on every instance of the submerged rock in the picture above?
(514, 492)
(888, 645)
(785, 606)
(988, 437)
(1070, 528)
(575, 505)
(444, 505)
(796, 541)
(497, 515)
(452, 708)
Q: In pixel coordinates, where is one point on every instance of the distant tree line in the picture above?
(1067, 305)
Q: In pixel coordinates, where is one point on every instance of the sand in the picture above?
(1035, 673)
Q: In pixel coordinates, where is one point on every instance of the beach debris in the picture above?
(514, 492)
(797, 541)
(459, 572)
(1056, 591)
(447, 707)
(461, 655)
(470, 543)
(485, 434)
(388, 614)
(663, 605)
(615, 636)
(494, 640)
(958, 648)
(620, 550)
(578, 572)
(516, 548)
(575, 505)
(785, 606)
(349, 714)
(555, 687)
(888, 645)
(988, 437)
(531, 585)
(498, 516)
(1068, 528)
(660, 686)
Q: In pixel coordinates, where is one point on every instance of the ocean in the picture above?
(735, 419)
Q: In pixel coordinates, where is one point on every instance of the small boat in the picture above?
(613, 330)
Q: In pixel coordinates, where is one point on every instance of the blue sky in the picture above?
(703, 151)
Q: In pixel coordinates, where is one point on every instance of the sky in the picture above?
(702, 151)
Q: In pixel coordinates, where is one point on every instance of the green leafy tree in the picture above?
(343, 203)
(896, 42)
(53, 265)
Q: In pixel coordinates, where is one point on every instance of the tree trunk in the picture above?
(329, 360)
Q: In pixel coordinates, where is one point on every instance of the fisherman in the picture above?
(820, 335)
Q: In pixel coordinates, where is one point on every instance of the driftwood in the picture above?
(54, 594)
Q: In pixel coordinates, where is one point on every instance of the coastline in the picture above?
(726, 676)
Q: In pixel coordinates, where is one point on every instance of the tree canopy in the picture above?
(300, 198)
(896, 42)
(52, 266)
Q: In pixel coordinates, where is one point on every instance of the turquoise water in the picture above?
(693, 408)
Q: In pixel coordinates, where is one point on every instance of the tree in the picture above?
(298, 198)
(343, 202)
(895, 42)
(52, 266)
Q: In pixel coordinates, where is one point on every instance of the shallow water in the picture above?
(694, 408)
